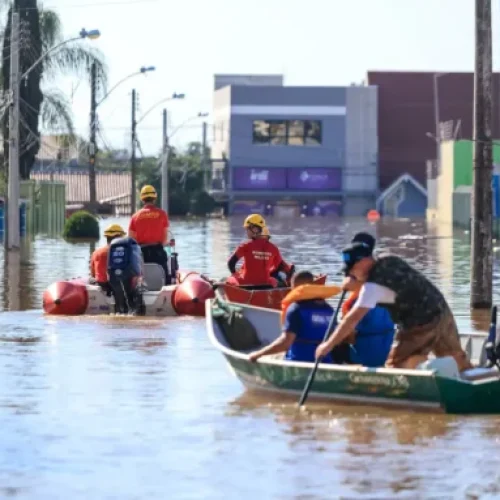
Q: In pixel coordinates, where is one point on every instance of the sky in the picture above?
(318, 42)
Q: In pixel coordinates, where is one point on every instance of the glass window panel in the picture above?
(261, 132)
(277, 131)
(296, 133)
(312, 132)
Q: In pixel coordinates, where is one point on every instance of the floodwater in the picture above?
(106, 408)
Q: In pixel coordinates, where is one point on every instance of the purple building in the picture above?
(311, 150)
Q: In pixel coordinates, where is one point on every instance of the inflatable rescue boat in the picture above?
(186, 297)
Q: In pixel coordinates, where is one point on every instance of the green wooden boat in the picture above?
(236, 330)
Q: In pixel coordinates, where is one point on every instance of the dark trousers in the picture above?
(156, 254)
(106, 287)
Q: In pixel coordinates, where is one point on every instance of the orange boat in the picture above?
(269, 299)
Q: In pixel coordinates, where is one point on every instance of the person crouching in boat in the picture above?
(305, 318)
(280, 267)
(374, 334)
(422, 316)
(99, 259)
(149, 227)
(258, 254)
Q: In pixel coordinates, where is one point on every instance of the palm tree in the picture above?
(41, 30)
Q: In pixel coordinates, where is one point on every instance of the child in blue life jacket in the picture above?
(306, 316)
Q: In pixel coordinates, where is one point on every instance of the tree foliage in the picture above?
(187, 193)
(41, 31)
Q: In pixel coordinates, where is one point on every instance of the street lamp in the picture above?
(135, 122)
(143, 70)
(91, 35)
(174, 96)
(93, 124)
(13, 223)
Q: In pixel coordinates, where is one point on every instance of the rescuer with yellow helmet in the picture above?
(259, 257)
(149, 227)
(99, 259)
(279, 267)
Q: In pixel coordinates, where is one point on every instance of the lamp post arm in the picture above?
(117, 85)
(185, 122)
(171, 98)
(45, 54)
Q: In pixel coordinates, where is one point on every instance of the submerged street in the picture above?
(107, 407)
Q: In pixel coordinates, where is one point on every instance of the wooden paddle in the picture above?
(328, 331)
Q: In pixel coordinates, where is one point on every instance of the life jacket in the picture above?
(315, 319)
(347, 305)
(307, 292)
(374, 335)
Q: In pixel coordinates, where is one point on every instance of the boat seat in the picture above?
(154, 276)
(445, 367)
(480, 373)
(239, 333)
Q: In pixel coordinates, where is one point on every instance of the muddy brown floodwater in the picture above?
(106, 408)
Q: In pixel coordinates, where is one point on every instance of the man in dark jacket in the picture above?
(422, 316)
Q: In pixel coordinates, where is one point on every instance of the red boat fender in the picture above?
(190, 295)
(66, 298)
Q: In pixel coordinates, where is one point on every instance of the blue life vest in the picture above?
(375, 333)
(314, 322)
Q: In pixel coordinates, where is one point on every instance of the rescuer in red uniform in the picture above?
(259, 254)
(99, 259)
(280, 267)
(149, 227)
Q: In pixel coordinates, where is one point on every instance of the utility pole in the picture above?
(482, 203)
(93, 145)
(204, 167)
(164, 164)
(13, 224)
(133, 202)
(436, 121)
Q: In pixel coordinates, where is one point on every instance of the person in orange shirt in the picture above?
(149, 227)
(99, 259)
(259, 256)
(280, 267)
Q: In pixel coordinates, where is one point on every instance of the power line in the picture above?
(93, 4)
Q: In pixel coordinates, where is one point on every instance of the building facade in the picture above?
(416, 111)
(309, 150)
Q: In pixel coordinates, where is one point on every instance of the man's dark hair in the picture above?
(366, 239)
(148, 200)
(302, 278)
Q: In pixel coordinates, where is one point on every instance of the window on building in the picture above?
(261, 132)
(296, 133)
(287, 132)
(312, 132)
(277, 132)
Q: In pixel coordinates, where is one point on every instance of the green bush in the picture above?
(202, 203)
(178, 203)
(81, 224)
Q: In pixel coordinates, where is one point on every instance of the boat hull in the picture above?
(269, 299)
(424, 389)
(78, 297)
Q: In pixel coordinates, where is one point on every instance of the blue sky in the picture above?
(318, 42)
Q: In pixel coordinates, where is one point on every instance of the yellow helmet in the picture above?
(255, 220)
(148, 192)
(266, 233)
(114, 230)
